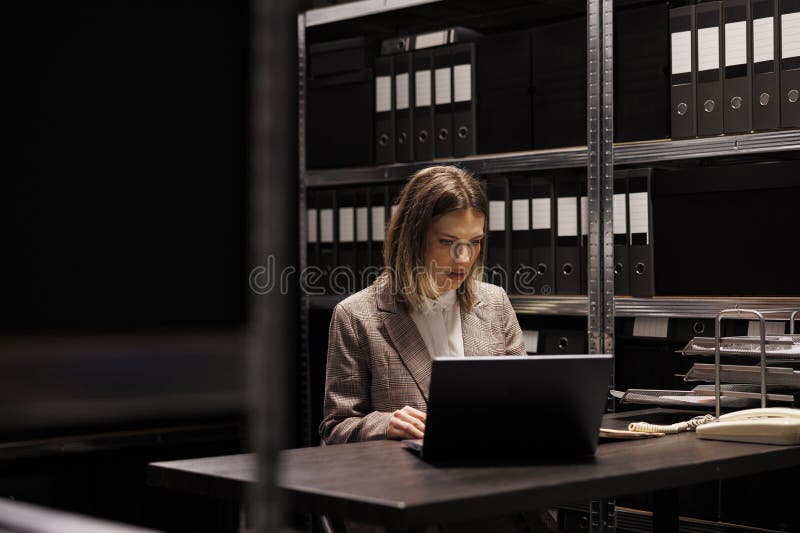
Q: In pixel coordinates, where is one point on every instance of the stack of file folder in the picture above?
(735, 67)
(538, 233)
(346, 231)
(425, 97)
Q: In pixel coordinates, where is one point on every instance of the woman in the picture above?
(428, 302)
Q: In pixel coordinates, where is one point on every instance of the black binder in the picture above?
(504, 93)
(522, 273)
(710, 54)
(464, 130)
(790, 63)
(640, 250)
(568, 267)
(377, 231)
(737, 85)
(683, 87)
(403, 111)
(423, 106)
(641, 73)
(622, 284)
(542, 235)
(346, 266)
(394, 191)
(363, 256)
(765, 64)
(312, 229)
(384, 111)
(583, 242)
(443, 103)
(559, 84)
(496, 266)
(327, 227)
(562, 342)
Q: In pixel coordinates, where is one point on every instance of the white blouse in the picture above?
(439, 325)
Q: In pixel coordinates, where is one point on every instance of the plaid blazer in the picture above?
(378, 363)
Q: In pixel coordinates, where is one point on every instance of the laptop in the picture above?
(527, 408)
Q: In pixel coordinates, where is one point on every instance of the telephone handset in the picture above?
(768, 425)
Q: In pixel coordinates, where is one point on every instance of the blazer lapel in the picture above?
(474, 324)
(407, 341)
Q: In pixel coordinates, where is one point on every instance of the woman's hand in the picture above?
(406, 423)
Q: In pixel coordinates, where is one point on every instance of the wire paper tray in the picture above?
(777, 377)
(784, 347)
(734, 396)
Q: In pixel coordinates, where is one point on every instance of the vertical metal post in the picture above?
(305, 356)
(272, 326)
(600, 172)
(600, 190)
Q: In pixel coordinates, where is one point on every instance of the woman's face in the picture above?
(453, 245)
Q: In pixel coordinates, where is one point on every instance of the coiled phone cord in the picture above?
(689, 425)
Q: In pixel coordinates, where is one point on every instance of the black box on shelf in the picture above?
(726, 230)
(559, 84)
(641, 73)
(504, 93)
(339, 118)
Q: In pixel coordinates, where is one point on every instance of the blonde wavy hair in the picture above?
(430, 193)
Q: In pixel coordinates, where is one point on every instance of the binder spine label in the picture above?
(790, 35)
(497, 215)
(541, 213)
(462, 83)
(326, 225)
(620, 221)
(428, 40)
(443, 93)
(531, 340)
(639, 215)
(401, 91)
(378, 223)
(736, 43)
(763, 40)
(584, 215)
(383, 94)
(422, 84)
(362, 224)
(567, 217)
(708, 48)
(682, 52)
(520, 215)
(346, 219)
(311, 223)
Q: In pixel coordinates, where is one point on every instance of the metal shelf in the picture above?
(647, 152)
(730, 145)
(574, 157)
(695, 307)
(549, 305)
(361, 8)
(625, 306)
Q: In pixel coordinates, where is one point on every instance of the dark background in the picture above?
(124, 188)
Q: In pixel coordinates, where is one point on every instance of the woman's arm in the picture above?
(348, 414)
(514, 342)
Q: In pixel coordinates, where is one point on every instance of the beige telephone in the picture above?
(769, 425)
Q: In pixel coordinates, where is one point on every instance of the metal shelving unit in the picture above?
(599, 157)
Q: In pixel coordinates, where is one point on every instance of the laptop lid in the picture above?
(515, 407)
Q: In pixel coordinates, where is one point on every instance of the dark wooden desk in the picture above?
(384, 483)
